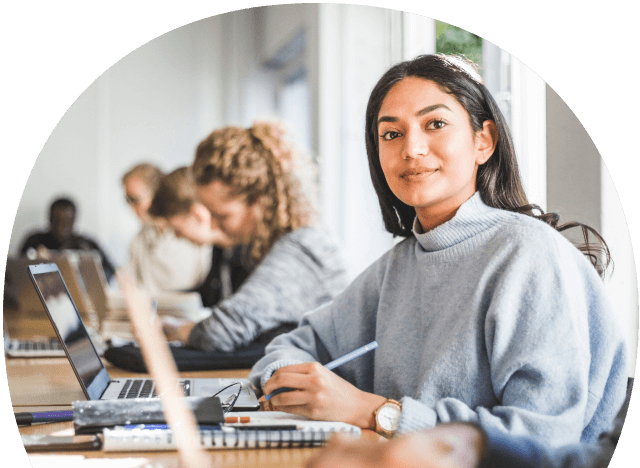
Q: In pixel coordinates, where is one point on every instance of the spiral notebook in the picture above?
(261, 432)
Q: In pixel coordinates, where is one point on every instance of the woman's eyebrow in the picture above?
(426, 110)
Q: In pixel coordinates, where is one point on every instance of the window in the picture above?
(292, 90)
(520, 95)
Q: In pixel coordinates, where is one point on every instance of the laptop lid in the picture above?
(95, 281)
(5, 334)
(18, 291)
(18, 286)
(68, 325)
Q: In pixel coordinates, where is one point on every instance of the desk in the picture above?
(49, 384)
(55, 380)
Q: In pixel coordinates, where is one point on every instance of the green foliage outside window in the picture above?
(453, 40)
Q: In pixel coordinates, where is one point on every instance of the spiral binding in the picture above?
(162, 439)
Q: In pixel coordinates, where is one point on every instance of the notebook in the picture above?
(86, 363)
(307, 433)
(30, 348)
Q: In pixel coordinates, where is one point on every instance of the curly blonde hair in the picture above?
(258, 163)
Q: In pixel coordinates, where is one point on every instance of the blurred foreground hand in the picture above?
(447, 446)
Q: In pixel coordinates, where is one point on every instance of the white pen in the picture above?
(333, 364)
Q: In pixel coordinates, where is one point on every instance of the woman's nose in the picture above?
(415, 145)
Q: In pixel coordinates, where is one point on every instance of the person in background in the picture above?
(248, 179)
(159, 261)
(176, 201)
(484, 313)
(467, 445)
(60, 236)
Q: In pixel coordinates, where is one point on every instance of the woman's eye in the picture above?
(436, 124)
(390, 135)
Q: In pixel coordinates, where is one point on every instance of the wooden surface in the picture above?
(49, 384)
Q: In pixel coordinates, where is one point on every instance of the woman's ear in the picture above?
(486, 141)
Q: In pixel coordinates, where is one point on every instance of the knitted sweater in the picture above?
(505, 451)
(491, 317)
(303, 270)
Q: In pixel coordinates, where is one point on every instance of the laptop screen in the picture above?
(68, 324)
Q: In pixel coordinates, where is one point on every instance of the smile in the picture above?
(417, 173)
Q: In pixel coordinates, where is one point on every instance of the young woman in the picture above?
(247, 179)
(483, 313)
(159, 261)
(176, 201)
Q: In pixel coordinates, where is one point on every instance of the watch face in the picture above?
(389, 417)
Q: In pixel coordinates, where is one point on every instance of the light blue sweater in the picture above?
(492, 317)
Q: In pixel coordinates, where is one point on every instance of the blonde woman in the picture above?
(246, 178)
(159, 261)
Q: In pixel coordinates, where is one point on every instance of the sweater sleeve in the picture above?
(297, 275)
(556, 354)
(332, 330)
(506, 450)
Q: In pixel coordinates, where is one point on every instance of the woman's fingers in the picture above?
(320, 394)
(291, 377)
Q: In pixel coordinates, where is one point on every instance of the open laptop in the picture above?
(86, 363)
(16, 347)
(95, 281)
(18, 287)
(19, 294)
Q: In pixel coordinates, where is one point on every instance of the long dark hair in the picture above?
(498, 180)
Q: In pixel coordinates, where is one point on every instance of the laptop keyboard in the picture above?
(145, 388)
(28, 345)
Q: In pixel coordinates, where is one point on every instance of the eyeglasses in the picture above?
(229, 403)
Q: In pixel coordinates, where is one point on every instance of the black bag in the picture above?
(129, 357)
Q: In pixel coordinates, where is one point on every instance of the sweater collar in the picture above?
(472, 218)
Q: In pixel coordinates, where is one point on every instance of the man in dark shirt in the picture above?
(62, 216)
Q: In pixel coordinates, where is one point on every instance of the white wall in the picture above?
(155, 105)
(622, 286)
(580, 188)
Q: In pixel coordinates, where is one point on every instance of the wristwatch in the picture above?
(388, 417)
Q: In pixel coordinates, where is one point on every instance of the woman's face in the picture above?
(139, 197)
(195, 226)
(230, 213)
(428, 151)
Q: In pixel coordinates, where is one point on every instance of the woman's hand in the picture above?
(446, 446)
(322, 395)
(177, 329)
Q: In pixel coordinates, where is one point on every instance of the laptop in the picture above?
(87, 365)
(19, 294)
(18, 287)
(30, 348)
(92, 274)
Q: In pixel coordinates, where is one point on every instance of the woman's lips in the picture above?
(417, 173)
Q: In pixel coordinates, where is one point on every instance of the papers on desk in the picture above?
(249, 435)
(78, 461)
